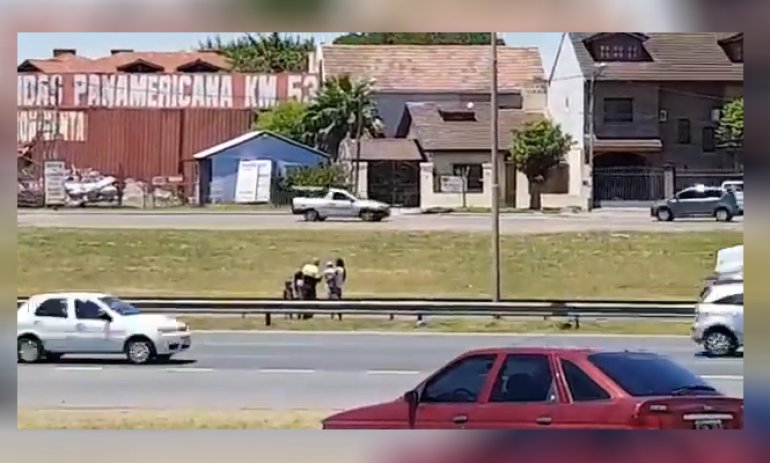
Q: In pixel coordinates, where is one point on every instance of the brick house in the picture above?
(656, 102)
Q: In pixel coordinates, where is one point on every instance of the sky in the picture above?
(97, 44)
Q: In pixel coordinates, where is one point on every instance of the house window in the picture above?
(683, 133)
(618, 110)
(620, 52)
(709, 144)
(473, 175)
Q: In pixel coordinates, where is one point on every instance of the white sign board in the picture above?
(451, 184)
(254, 181)
(54, 175)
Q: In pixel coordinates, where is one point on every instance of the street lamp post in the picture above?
(495, 177)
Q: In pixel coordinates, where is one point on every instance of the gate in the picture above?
(625, 185)
(394, 182)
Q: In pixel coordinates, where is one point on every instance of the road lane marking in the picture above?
(393, 372)
(189, 370)
(285, 371)
(79, 368)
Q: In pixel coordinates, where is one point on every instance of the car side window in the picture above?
(524, 378)
(340, 197)
(87, 310)
(582, 387)
(735, 299)
(691, 194)
(461, 382)
(714, 194)
(55, 308)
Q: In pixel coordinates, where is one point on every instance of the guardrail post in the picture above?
(576, 319)
(268, 319)
(392, 317)
(419, 317)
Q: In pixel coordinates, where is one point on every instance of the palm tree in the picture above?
(342, 109)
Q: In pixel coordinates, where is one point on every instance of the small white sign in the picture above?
(54, 176)
(451, 184)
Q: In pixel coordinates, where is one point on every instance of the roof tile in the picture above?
(430, 68)
(168, 61)
(436, 134)
(677, 56)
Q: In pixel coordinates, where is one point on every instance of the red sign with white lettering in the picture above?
(131, 90)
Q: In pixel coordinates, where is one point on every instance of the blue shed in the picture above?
(219, 165)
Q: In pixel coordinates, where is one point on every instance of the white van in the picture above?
(729, 260)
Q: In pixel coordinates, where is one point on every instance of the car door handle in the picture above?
(460, 419)
(80, 327)
(544, 420)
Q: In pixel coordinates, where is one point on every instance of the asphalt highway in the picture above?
(515, 223)
(305, 370)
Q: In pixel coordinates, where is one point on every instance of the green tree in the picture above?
(537, 148)
(416, 38)
(287, 119)
(326, 176)
(342, 108)
(263, 53)
(730, 130)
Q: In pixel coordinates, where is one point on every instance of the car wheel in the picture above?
(311, 216)
(29, 349)
(140, 351)
(368, 216)
(719, 343)
(723, 215)
(664, 215)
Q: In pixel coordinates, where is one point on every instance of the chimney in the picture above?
(115, 51)
(57, 52)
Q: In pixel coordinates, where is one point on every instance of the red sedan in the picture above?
(549, 388)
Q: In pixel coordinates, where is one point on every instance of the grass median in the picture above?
(393, 264)
(169, 419)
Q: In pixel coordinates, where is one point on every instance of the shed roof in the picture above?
(432, 68)
(216, 149)
(436, 134)
(384, 149)
(677, 56)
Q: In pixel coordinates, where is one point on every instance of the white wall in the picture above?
(566, 107)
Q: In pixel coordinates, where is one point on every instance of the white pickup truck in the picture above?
(337, 203)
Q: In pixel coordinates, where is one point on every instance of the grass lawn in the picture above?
(456, 325)
(169, 419)
(430, 264)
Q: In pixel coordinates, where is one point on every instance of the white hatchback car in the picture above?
(51, 325)
(718, 324)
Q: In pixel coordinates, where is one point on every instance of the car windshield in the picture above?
(120, 306)
(647, 375)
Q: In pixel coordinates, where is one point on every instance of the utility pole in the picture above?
(359, 130)
(595, 72)
(495, 177)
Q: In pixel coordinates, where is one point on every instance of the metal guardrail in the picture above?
(575, 310)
